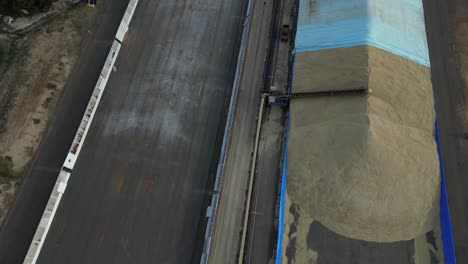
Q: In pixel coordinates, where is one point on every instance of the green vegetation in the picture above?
(6, 168)
(46, 103)
(7, 47)
(12, 7)
(51, 86)
(12, 52)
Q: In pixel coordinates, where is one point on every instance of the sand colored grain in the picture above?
(366, 167)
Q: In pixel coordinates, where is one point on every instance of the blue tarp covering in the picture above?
(279, 244)
(445, 223)
(393, 25)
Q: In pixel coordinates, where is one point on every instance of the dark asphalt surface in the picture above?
(450, 96)
(18, 229)
(262, 233)
(333, 248)
(137, 192)
(337, 249)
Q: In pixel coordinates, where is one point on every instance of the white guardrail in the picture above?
(61, 183)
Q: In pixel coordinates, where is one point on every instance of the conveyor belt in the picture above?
(360, 91)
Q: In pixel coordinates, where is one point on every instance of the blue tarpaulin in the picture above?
(445, 223)
(279, 244)
(282, 198)
(396, 26)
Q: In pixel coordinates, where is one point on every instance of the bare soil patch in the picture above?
(31, 87)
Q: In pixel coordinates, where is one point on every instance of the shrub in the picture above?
(12, 7)
(6, 168)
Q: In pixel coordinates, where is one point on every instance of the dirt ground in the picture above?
(31, 87)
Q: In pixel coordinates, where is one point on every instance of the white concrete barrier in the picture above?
(126, 20)
(92, 107)
(61, 183)
(47, 216)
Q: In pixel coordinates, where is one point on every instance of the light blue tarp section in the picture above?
(393, 25)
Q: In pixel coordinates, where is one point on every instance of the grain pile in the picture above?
(365, 167)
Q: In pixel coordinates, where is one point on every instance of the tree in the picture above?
(11, 7)
(32, 5)
(6, 168)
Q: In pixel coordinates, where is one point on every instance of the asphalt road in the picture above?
(450, 91)
(18, 229)
(226, 236)
(262, 228)
(137, 192)
(262, 235)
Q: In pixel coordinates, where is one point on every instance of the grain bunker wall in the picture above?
(365, 167)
